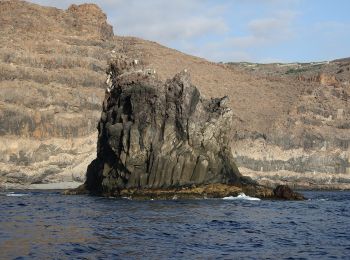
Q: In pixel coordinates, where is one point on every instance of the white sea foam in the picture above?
(240, 196)
(12, 194)
(326, 199)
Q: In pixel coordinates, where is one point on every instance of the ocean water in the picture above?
(48, 225)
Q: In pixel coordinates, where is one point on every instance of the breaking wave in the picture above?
(240, 196)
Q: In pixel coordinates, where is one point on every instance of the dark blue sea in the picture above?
(48, 225)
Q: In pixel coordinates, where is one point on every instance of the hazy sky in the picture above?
(235, 30)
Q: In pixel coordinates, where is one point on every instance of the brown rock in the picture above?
(286, 193)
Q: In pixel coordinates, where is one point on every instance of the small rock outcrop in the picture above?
(159, 135)
(284, 192)
(89, 17)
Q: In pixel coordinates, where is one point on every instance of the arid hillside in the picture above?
(52, 66)
(291, 121)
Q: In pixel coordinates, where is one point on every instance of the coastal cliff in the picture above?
(291, 121)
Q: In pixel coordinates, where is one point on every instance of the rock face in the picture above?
(160, 135)
(89, 17)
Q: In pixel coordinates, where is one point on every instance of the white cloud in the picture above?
(171, 29)
(168, 21)
(269, 30)
(260, 33)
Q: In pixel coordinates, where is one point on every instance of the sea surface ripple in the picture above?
(48, 225)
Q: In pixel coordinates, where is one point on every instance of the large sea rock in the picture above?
(161, 139)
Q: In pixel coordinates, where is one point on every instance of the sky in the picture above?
(235, 30)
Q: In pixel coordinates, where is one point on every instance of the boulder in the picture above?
(286, 193)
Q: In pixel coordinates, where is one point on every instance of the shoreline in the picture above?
(73, 184)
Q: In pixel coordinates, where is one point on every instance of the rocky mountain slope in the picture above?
(307, 145)
(52, 66)
(291, 121)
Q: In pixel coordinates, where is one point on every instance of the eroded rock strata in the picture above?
(162, 139)
(155, 134)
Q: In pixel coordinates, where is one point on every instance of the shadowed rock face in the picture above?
(160, 135)
(286, 193)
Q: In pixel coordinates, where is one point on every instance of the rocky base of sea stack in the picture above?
(210, 191)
